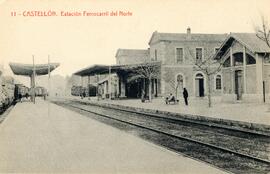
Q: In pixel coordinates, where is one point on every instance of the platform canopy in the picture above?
(27, 69)
(103, 69)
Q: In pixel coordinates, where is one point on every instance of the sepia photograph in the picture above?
(135, 87)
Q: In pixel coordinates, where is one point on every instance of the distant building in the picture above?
(131, 56)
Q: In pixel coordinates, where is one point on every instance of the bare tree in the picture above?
(209, 66)
(263, 32)
(170, 80)
(149, 71)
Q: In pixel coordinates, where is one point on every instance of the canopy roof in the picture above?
(27, 69)
(104, 69)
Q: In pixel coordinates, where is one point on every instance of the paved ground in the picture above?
(49, 139)
(248, 112)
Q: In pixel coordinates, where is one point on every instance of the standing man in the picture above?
(185, 95)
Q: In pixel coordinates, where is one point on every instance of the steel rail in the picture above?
(181, 119)
(177, 137)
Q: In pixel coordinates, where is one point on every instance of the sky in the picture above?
(80, 41)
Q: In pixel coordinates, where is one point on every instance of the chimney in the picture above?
(188, 33)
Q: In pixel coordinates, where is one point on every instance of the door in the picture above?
(238, 84)
(201, 88)
(199, 85)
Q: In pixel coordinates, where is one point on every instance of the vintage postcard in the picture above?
(122, 86)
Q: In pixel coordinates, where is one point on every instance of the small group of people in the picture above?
(171, 98)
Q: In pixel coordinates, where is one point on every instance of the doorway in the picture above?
(134, 89)
(199, 85)
(238, 84)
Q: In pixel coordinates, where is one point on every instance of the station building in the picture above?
(178, 53)
(246, 68)
(243, 76)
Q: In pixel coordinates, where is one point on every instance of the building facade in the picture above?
(131, 56)
(243, 58)
(246, 68)
(178, 53)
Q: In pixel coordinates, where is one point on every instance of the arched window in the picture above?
(267, 58)
(199, 76)
(238, 59)
(250, 60)
(218, 82)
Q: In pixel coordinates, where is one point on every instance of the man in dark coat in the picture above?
(185, 95)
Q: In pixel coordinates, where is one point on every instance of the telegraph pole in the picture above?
(49, 83)
(33, 85)
(49, 76)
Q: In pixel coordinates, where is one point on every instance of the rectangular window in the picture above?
(179, 55)
(199, 54)
(155, 55)
(218, 82)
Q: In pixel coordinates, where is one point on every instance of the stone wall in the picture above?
(125, 56)
(161, 48)
(166, 52)
(169, 76)
(267, 78)
(251, 79)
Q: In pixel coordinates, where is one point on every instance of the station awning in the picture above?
(104, 69)
(27, 69)
(94, 69)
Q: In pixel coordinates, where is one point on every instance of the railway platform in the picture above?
(241, 112)
(47, 138)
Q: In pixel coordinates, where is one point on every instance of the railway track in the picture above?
(235, 152)
(5, 112)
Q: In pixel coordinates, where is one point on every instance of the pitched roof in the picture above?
(251, 41)
(132, 52)
(187, 37)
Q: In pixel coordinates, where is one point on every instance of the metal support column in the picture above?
(244, 69)
(110, 84)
